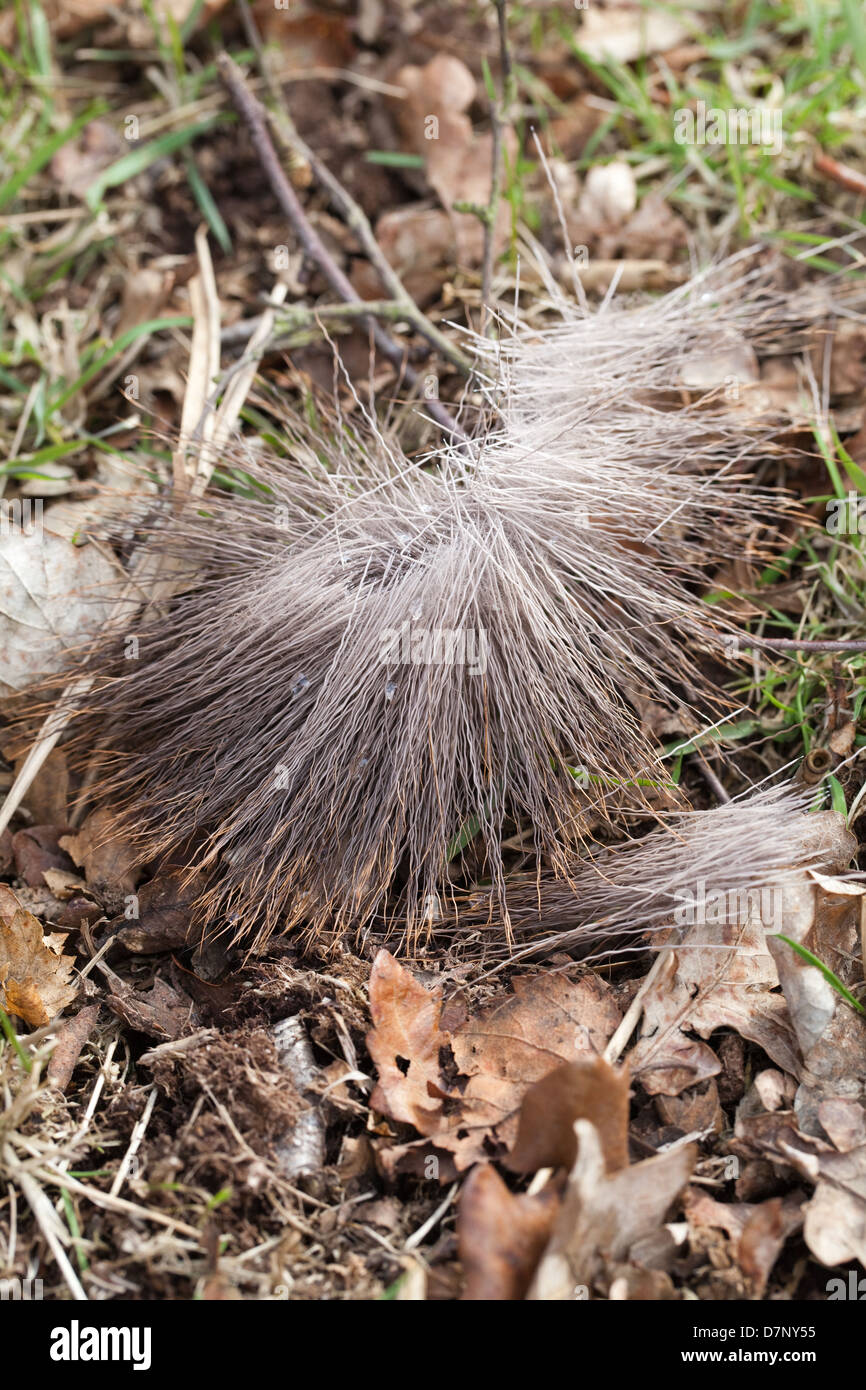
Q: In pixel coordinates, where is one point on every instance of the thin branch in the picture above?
(500, 118)
(254, 117)
(357, 222)
(299, 152)
(799, 644)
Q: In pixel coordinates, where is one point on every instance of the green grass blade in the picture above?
(123, 342)
(208, 208)
(134, 163)
(46, 152)
(824, 969)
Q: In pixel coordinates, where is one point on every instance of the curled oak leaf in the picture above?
(35, 981)
(165, 918)
(161, 1012)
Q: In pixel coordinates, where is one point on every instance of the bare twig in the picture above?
(800, 644)
(299, 152)
(710, 778)
(254, 117)
(841, 173)
(500, 118)
(134, 1144)
(294, 318)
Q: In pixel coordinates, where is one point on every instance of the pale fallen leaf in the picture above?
(721, 977)
(55, 480)
(775, 1089)
(831, 1033)
(627, 34)
(723, 974)
(603, 1215)
(835, 1219)
(609, 194)
(811, 997)
(844, 1123)
(834, 1225)
(52, 594)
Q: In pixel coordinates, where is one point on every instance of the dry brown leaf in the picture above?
(61, 884)
(68, 17)
(500, 1235)
(723, 975)
(404, 1044)
(835, 1219)
(758, 1232)
(35, 982)
(160, 1012)
(462, 1088)
(306, 37)
(77, 164)
(835, 1224)
(824, 917)
(764, 1235)
(589, 1089)
(35, 849)
(419, 243)
(47, 797)
(433, 122)
(108, 861)
(703, 988)
(71, 1038)
(695, 1111)
(655, 232)
(808, 906)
